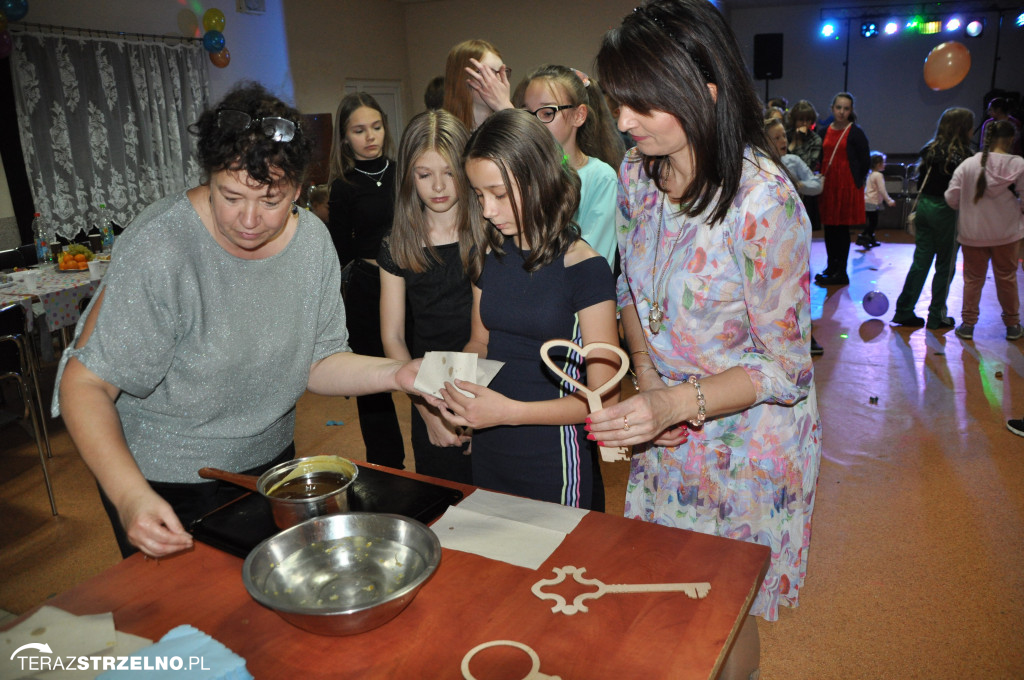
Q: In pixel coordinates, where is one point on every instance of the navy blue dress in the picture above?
(522, 311)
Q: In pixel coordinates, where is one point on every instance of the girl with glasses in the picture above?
(573, 109)
(361, 206)
(534, 279)
(423, 276)
(220, 309)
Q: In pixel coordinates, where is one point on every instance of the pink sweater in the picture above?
(996, 219)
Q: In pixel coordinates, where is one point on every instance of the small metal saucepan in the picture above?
(298, 489)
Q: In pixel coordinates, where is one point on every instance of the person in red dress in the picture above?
(846, 161)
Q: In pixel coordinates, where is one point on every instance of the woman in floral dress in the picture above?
(714, 301)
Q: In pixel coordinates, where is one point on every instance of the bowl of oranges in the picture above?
(75, 258)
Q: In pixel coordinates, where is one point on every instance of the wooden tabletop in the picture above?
(469, 600)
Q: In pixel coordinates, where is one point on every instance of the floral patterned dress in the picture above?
(735, 294)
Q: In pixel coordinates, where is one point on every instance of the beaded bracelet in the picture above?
(701, 412)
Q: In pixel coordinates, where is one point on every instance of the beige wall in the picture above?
(528, 33)
(330, 41)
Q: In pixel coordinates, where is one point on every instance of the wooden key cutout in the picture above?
(608, 454)
(696, 591)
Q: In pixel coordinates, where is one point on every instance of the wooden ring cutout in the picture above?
(593, 396)
(534, 673)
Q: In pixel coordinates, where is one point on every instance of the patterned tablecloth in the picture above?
(59, 292)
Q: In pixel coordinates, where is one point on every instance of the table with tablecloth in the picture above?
(59, 295)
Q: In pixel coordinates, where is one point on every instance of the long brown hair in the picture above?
(996, 130)
(951, 144)
(458, 98)
(597, 136)
(342, 159)
(434, 130)
(530, 160)
(663, 57)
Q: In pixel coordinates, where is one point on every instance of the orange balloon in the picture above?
(947, 65)
(221, 59)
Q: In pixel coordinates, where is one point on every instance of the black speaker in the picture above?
(767, 56)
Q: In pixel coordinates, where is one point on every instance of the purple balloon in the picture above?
(14, 9)
(875, 303)
(6, 44)
(213, 41)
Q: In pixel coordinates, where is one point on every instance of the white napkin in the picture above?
(441, 367)
(510, 529)
(66, 635)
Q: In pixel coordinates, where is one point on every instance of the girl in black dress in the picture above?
(534, 280)
(361, 203)
(423, 277)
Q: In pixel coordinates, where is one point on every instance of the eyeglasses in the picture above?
(276, 128)
(546, 114)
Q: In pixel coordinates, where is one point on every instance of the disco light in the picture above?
(869, 29)
(891, 27)
(975, 27)
(953, 24)
(828, 29)
(1020, 19)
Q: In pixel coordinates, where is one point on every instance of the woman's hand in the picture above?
(647, 417)
(405, 376)
(151, 524)
(486, 408)
(493, 88)
(439, 431)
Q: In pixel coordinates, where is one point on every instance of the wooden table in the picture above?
(469, 600)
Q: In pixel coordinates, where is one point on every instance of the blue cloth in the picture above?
(599, 187)
(203, 657)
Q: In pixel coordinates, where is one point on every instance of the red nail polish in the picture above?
(600, 443)
(586, 427)
(591, 437)
(587, 421)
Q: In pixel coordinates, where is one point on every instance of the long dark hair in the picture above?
(662, 58)
(342, 159)
(530, 160)
(434, 130)
(224, 148)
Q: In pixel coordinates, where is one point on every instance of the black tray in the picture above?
(241, 525)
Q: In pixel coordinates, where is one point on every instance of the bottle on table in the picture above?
(105, 225)
(43, 233)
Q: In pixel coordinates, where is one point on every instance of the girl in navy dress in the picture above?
(534, 279)
(426, 298)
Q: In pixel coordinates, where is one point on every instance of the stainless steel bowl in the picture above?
(342, 574)
(290, 511)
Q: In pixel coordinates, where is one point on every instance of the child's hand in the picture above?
(889, 202)
(493, 88)
(440, 432)
(486, 408)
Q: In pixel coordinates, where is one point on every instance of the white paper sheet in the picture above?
(509, 529)
(441, 367)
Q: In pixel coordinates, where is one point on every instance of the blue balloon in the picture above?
(14, 9)
(875, 303)
(213, 41)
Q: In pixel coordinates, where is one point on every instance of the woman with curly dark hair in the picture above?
(221, 307)
(935, 226)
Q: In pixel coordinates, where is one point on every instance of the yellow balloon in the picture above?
(947, 65)
(213, 20)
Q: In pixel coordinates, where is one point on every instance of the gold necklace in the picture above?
(656, 315)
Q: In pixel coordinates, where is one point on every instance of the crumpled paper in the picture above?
(441, 367)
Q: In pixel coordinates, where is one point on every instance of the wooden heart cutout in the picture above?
(608, 454)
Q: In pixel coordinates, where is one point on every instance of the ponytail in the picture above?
(979, 188)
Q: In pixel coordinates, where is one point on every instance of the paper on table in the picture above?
(483, 524)
(528, 511)
(441, 367)
(216, 662)
(66, 635)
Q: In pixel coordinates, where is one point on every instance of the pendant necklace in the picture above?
(376, 176)
(656, 316)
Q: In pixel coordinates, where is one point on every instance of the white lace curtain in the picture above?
(105, 121)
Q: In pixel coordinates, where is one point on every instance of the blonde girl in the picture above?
(536, 280)
(573, 109)
(423, 275)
